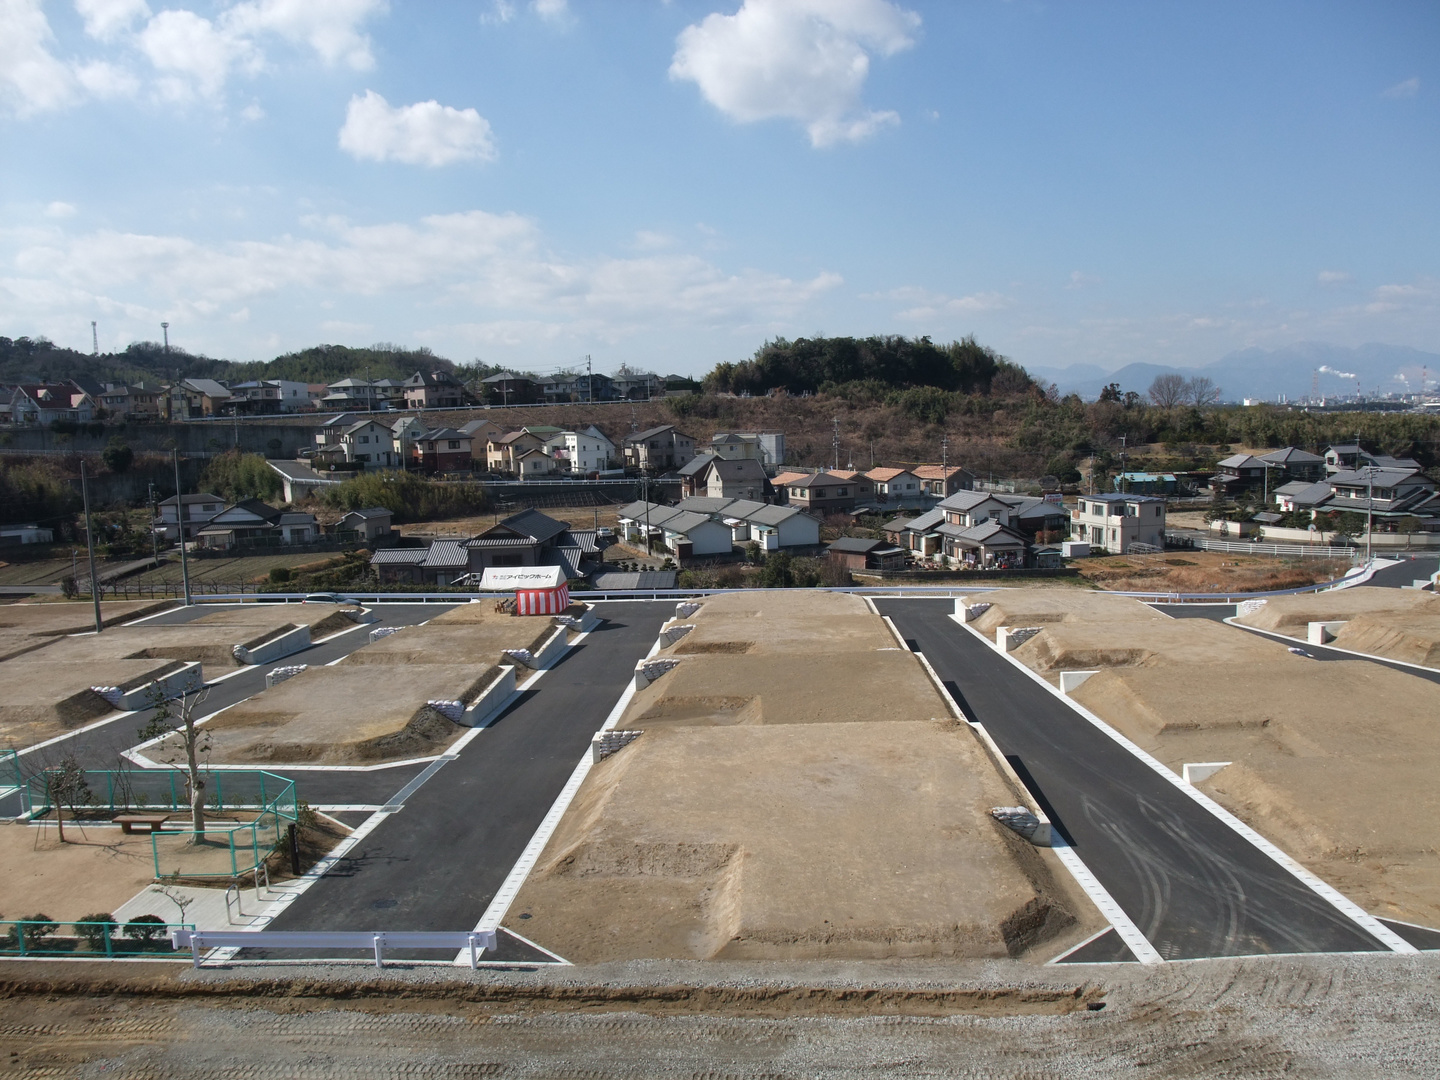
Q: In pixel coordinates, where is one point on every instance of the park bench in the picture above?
(153, 822)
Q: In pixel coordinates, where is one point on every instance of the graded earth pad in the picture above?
(212, 646)
(346, 714)
(787, 804)
(1333, 761)
(323, 619)
(476, 640)
(1399, 624)
(27, 627)
(40, 699)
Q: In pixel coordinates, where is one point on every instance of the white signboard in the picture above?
(510, 578)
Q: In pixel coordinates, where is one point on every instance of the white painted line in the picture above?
(1232, 621)
(533, 945)
(1343, 904)
(1076, 948)
(346, 808)
(78, 731)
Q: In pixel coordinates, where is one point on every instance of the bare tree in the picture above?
(177, 717)
(1168, 391)
(1201, 391)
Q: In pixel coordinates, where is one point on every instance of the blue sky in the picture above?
(669, 184)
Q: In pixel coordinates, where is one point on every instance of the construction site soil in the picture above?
(1334, 762)
(354, 713)
(799, 791)
(1371, 1017)
(1399, 624)
(96, 869)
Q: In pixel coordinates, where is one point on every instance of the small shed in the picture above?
(539, 590)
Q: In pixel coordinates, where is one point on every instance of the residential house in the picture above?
(508, 388)
(855, 553)
(1031, 517)
(327, 435)
(776, 527)
(919, 535)
(270, 396)
(630, 385)
(528, 538)
(132, 402)
(1241, 472)
(569, 386)
(481, 433)
(537, 464)
(896, 486)
(1301, 495)
(767, 447)
(581, 452)
(371, 443)
(942, 481)
(356, 394)
(685, 533)
(970, 508)
(989, 545)
(389, 392)
(861, 484)
(783, 480)
(1115, 522)
(691, 484)
(198, 511)
(772, 527)
(298, 480)
(445, 560)
(193, 398)
(503, 453)
(1295, 464)
(1343, 457)
(659, 449)
(371, 524)
(45, 403)
(742, 478)
(252, 523)
(403, 565)
(30, 533)
(1385, 495)
(444, 450)
(405, 434)
(1145, 483)
(822, 493)
(433, 390)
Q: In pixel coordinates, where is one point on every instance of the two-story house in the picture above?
(1241, 472)
(1386, 495)
(252, 523)
(822, 493)
(482, 433)
(371, 443)
(197, 512)
(45, 403)
(433, 390)
(942, 481)
(1295, 464)
(659, 449)
(581, 452)
(192, 398)
(1115, 522)
(508, 388)
(766, 446)
(132, 402)
(405, 434)
(504, 452)
(896, 486)
(444, 450)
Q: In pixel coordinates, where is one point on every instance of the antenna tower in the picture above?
(165, 328)
(94, 339)
(1314, 386)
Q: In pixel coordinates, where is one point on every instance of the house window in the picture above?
(454, 444)
(364, 438)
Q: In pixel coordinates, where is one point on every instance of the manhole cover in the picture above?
(380, 905)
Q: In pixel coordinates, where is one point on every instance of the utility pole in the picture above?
(90, 546)
(945, 453)
(835, 441)
(1123, 478)
(180, 524)
(589, 379)
(1369, 512)
(154, 543)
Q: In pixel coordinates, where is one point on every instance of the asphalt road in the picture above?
(436, 864)
(1408, 572)
(1193, 886)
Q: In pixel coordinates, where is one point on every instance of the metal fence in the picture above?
(1247, 547)
(143, 936)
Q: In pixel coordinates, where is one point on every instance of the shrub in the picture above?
(95, 930)
(37, 928)
(144, 928)
(279, 575)
(117, 456)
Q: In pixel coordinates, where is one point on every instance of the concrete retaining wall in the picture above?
(280, 674)
(969, 612)
(647, 671)
(383, 632)
(671, 634)
(287, 641)
(1319, 633)
(1009, 638)
(553, 648)
(1070, 680)
(491, 700)
(609, 742)
(183, 680)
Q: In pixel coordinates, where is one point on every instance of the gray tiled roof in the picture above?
(446, 555)
(399, 557)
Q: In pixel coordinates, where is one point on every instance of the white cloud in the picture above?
(501, 11)
(1408, 88)
(252, 112)
(804, 60)
(106, 80)
(555, 11)
(31, 79)
(193, 52)
(1332, 277)
(1079, 280)
(330, 27)
(645, 240)
(104, 19)
(426, 133)
(60, 210)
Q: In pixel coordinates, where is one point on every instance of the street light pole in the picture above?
(90, 546)
(180, 525)
(1369, 511)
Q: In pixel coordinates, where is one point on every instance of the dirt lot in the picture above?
(1205, 572)
(97, 869)
(1324, 754)
(345, 715)
(1400, 624)
(40, 699)
(468, 634)
(784, 803)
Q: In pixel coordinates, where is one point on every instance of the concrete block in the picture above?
(969, 612)
(491, 700)
(1010, 638)
(1318, 633)
(1249, 607)
(1194, 771)
(1069, 680)
(290, 640)
(610, 742)
(183, 680)
(280, 674)
(451, 710)
(383, 632)
(362, 616)
(583, 623)
(671, 634)
(552, 649)
(647, 671)
(1025, 822)
(685, 608)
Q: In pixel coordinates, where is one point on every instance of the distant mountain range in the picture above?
(1269, 373)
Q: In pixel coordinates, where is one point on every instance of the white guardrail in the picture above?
(202, 941)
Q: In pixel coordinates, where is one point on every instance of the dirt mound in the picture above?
(1414, 638)
(40, 699)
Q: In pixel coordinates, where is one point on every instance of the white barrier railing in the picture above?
(200, 941)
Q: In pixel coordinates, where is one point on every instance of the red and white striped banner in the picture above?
(542, 601)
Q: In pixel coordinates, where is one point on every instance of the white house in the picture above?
(581, 452)
(1114, 521)
(775, 527)
(199, 509)
(690, 535)
(370, 443)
